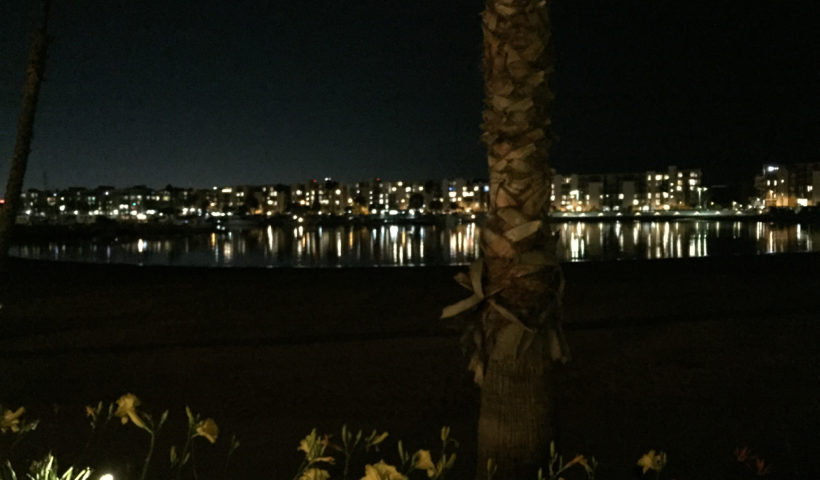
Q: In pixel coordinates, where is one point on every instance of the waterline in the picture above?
(420, 245)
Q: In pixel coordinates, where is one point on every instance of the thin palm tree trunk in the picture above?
(25, 131)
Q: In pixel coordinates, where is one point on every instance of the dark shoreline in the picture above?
(695, 356)
(41, 296)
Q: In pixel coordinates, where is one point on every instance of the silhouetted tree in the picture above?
(416, 201)
(25, 129)
(251, 203)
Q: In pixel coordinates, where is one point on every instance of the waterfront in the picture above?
(425, 245)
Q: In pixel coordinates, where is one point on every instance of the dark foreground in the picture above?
(694, 357)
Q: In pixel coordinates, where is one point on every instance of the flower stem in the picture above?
(148, 457)
(193, 463)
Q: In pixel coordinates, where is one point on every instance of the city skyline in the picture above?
(163, 92)
(673, 190)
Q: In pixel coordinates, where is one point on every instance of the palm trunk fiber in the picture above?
(515, 422)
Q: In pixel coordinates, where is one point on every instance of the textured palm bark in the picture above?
(515, 425)
(521, 323)
(25, 130)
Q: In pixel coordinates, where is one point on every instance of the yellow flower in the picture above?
(208, 429)
(382, 471)
(423, 461)
(743, 454)
(652, 461)
(315, 474)
(11, 420)
(761, 468)
(91, 412)
(127, 408)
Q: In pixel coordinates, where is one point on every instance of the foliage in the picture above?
(197, 427)
(46, 469)
(751, 463)
(352, 455)
(556, 468)
(124, 411)
(319, 463)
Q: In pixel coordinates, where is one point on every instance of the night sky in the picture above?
(207, 93)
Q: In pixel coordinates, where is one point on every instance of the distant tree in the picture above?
(517, 336)
(416, 201)
(251, 203)
(432, 187)
(25, 129)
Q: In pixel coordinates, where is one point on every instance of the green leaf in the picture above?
(8, 471)
(162, 419)
(190, 415)
(445, 434)
(375, 439)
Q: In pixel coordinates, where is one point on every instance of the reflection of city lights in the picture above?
(315, 245)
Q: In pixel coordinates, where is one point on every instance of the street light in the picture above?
(700, 191)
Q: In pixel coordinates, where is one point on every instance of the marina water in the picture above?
(420, 245)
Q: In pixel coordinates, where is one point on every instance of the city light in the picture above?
(794, 186)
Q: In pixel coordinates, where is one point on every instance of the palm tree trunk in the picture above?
(520, 330)
(515, 424)
(25, 131)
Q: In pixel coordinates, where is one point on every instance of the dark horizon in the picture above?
(262, 92)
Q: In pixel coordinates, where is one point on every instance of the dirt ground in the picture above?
(694, 357)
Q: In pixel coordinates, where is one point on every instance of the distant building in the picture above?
(670, 189)
(673, 189)
(788, 186)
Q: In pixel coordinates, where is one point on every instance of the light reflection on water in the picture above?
(418, 245)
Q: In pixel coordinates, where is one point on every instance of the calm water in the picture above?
(408, 245)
